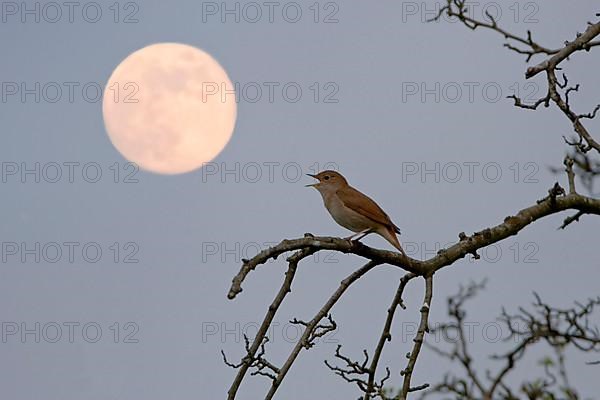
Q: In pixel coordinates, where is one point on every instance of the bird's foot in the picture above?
(358, 235)
(350, 240)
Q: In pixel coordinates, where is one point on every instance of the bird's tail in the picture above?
(390, 235)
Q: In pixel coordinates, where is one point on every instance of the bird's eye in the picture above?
(326, 177)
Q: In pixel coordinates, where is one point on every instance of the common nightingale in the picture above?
(354, 210)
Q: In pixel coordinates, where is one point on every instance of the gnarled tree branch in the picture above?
(583, 41)
(418, 342)
(557, 327)
(386, 334)
(552, 204)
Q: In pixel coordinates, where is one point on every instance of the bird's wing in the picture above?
(356, 201)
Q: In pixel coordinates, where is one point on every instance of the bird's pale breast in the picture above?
(345, 216)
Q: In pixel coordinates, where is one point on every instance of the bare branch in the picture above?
(569, 220)
(566, 109)
(456, 312)
(557, 327)
(319, 331)
(519, 103)
(316, 244)
(582, 42)
(310, 327)
(570, 175)
(458, 9)
(418, 342)
(590, 115)
(386, 333)
(551, 204)
(258, 361)
(353, 371)
(264, 327)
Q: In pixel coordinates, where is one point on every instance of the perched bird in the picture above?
(354, 210)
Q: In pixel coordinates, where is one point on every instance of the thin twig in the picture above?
(386, 333)
(418, 341)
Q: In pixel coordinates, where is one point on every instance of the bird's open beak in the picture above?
(312, 184)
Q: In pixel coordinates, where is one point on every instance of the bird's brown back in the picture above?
(364, 205)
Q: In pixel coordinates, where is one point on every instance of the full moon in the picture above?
(169, 108)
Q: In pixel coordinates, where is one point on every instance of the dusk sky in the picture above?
(132, 267)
